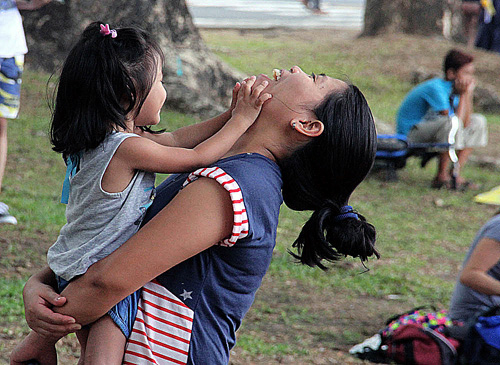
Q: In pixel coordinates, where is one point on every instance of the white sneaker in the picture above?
(5, 217)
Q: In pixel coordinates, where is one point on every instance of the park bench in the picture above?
(393, 150)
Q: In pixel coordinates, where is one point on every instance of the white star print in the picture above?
(186, 294)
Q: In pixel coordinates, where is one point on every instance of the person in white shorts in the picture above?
(425, 116)
(12, 50)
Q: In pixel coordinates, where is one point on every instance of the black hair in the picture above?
(103, 79)
(456, 59)
(322, 175)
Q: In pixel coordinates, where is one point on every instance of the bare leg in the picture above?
(463, 156)
(443, 174)
(35, 347)
(3, 148)
(105, 343)
(82, 336)
(471, 12)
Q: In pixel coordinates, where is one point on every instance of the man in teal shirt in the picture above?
(425, 115)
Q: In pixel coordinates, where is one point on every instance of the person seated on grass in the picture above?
(425, 115)
(478, 286)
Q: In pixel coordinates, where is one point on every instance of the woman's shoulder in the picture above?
(254, 173)
(492, 228)
(251, 166)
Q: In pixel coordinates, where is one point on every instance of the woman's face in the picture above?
(297, 91)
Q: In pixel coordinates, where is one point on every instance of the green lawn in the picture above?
(301, 314)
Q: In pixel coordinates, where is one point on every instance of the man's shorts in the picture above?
(436, 128)
(11, 70)
(123, 313)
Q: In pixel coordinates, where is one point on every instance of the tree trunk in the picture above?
(197, 81)
(422, 17)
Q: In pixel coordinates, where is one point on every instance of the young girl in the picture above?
(110, 87)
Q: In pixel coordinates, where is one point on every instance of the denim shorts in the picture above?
(123, 313)
(11, 70)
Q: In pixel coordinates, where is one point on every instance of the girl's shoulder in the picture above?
(108, 147)
(113, 140)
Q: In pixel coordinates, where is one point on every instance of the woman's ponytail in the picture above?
(322, 175)
(331, 233)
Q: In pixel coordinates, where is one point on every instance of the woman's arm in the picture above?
(198, 217)
(475, 273)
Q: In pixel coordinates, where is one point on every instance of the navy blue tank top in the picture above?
(211, 292)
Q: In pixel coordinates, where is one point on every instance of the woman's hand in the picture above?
(250, 100)
(39, 299)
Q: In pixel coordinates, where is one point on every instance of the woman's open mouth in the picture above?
(276, 74)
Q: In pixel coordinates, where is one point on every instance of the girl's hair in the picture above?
(322, 175)
(103, 80)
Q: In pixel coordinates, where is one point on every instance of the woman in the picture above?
(315, 140)
(478, 286)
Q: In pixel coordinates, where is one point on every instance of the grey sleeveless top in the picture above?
(465, 301)
(98, 222)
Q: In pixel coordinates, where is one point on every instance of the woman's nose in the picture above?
(295, 69)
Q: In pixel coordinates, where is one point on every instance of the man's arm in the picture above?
(465, 88)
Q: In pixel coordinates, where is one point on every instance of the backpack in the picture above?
(480, 339)
(413, 344)
(415, 337)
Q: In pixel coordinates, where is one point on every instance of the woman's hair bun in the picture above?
(324, 237)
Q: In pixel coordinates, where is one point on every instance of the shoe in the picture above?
(438, 184)
(5, 217)
(467, 185)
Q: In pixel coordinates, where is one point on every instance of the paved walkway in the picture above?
(340, 14)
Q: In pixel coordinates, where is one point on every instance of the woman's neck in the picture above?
(253, 142)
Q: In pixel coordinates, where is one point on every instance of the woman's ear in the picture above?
(309, 128)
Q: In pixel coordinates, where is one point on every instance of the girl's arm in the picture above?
(192, 135)
(144, 154)
(175, 234)
(475, 273)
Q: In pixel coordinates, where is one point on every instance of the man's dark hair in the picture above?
(456, 59)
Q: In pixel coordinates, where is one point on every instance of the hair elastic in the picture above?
(106, 31)
(346, 212)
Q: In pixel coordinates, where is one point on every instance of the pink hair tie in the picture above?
(106, 31)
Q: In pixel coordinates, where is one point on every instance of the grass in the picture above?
(301, 315)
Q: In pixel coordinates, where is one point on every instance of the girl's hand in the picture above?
(250, 100)
(39, 299)
(234, 99)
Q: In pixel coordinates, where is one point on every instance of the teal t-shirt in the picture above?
(432, 95)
